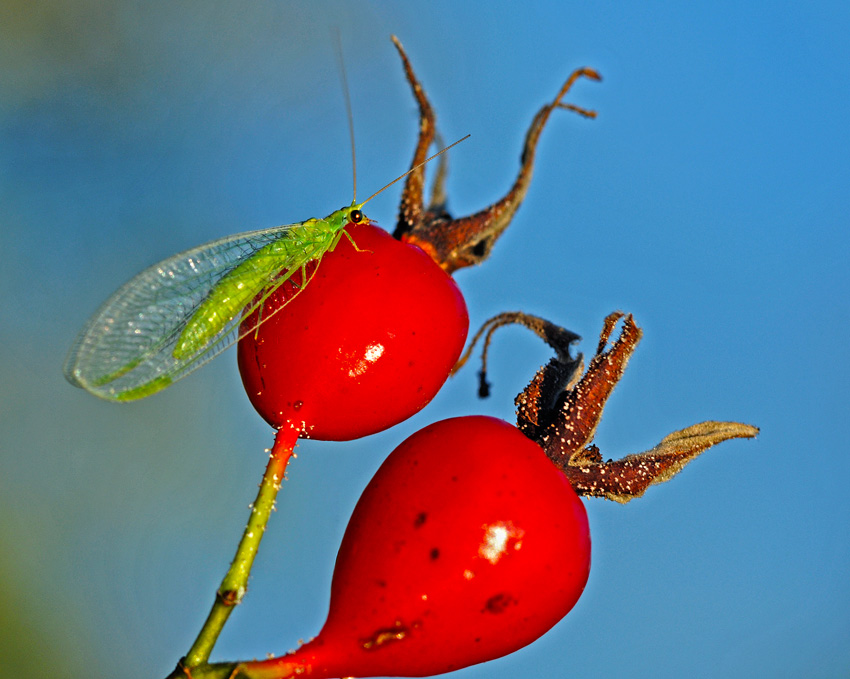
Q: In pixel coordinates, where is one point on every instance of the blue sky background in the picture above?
(710, 198)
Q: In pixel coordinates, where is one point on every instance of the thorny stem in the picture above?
(235, 583)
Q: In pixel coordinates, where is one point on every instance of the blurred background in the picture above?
(710, 198)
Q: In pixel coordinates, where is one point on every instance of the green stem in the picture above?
(235, 583)
(232, 670)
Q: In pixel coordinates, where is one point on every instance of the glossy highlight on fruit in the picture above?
(365, 345)
(467, 545)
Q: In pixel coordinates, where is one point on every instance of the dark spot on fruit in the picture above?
(381, 583)
(435, 554)
(384, 636)
(498, 603)
(421, 517)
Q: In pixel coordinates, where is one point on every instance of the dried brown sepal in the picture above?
(536, 406)
(566, 430)
(457, 243)
(411, 207)
(562, 370)
(588, 456)
(626, 479)
(573, 423)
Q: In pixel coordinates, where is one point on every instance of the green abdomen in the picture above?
(225, 302)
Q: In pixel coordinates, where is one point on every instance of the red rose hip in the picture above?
(365, 345)
(467, 545)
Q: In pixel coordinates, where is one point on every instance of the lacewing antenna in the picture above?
(415, 167)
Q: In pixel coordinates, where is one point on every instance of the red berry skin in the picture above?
(364, 346)
(467, 545)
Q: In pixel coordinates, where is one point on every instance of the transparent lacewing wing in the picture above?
(176, 315)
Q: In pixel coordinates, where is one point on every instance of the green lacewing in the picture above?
(180, 313)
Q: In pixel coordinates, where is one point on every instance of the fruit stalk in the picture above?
(235, 583)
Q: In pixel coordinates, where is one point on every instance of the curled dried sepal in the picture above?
(565, 432)
(572, 422)
(561, 372)
(456, 243)
(626, 479)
